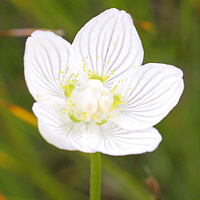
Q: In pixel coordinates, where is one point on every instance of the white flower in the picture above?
(93, 95)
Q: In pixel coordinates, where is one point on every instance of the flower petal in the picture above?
(107, 45)
(113, 140)
(56, 127)
(151, 92)
(45, 60)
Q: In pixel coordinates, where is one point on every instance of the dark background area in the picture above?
(32, 169)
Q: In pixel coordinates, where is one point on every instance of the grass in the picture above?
(31, 169)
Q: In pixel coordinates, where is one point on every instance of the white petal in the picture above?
(151, 92)
(107, 43)
(46, 57)
(56, 127)
(113, 140)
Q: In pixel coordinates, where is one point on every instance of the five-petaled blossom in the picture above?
(93, 95)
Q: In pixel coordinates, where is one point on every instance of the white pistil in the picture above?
(89, 105)
(104, 104)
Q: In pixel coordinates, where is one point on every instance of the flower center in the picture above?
(90, 101)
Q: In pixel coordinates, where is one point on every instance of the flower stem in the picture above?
(95, 176)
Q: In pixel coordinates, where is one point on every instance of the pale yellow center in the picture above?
(90, 101)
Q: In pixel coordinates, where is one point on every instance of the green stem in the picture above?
(95, 176)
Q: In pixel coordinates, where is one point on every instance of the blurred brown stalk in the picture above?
(25, 32)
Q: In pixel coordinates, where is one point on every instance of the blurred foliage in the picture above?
(31, 169)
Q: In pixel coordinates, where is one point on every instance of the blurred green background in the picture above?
(32, 169)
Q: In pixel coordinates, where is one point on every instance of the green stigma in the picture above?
(102, 78)
(116, 101)
(69, 88)
(102, 121)
(73, 118)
